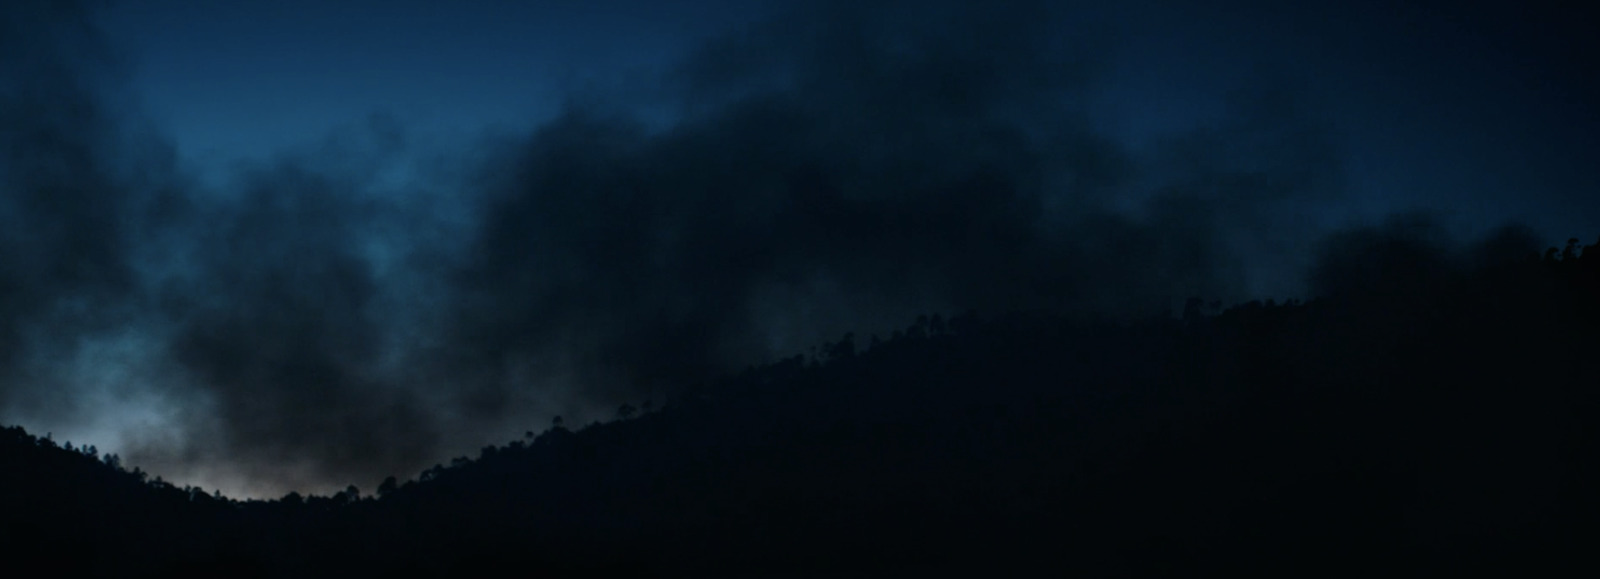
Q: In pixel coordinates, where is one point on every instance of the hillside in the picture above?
(1428, 414)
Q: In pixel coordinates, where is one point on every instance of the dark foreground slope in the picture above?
(1430, 415)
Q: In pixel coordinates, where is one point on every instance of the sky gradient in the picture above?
(272, 246)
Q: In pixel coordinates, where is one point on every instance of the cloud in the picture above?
(838, 168)
(877, 166)
(62, 226)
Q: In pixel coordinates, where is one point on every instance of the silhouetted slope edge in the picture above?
(1430, 413)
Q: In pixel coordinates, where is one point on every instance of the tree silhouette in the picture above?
(388, 485)
(1270, 436)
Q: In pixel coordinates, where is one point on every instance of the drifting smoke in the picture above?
(835, 169)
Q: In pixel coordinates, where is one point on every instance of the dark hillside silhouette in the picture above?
(1431, 411)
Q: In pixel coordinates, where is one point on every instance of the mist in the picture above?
(373, 303)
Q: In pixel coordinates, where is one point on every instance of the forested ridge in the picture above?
(1429, 412)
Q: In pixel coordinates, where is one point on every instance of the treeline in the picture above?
(1432, 411)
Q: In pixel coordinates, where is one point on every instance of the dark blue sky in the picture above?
(246, 79)
(1480, 111)
(295, 244)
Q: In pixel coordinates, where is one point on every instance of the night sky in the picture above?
(293, 245)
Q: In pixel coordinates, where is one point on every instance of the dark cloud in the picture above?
(838, 168)
(846, 168)
(1412, 255)
(61, 212)
(283, 326)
